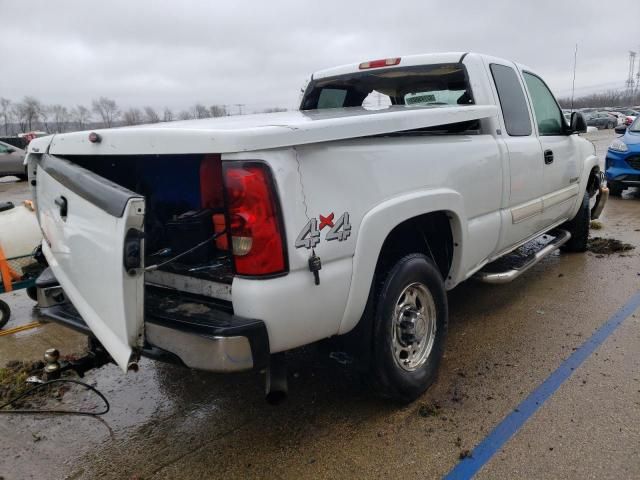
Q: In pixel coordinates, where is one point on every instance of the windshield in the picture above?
(430, 85)
(635, 126)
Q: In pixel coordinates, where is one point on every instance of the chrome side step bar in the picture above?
(510, 275)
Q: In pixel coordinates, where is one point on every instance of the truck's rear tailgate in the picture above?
(92, 228)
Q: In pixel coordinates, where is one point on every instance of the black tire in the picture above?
(579, 228)
(615, 189)
(388, 377)
(5, 314)
(32, 293)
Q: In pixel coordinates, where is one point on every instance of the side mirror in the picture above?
(10, 150)
(621, 129)
(578, 123)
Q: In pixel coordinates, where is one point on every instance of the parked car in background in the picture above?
(620, 117)
(622, 165)
(12, 161)
(601, 120)
(629, 113)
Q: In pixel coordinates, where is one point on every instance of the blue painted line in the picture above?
(493, 442)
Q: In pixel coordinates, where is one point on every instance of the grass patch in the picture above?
(596, 225)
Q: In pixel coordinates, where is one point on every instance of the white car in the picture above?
(225, 242)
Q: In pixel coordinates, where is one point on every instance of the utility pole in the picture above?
(573, 83)
(630, 83)
(239, 105)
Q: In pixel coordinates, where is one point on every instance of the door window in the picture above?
(512, 101)
(548, 113)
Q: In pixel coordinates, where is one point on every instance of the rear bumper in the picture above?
(211, 339)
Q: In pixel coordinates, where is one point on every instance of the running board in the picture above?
(510, 275)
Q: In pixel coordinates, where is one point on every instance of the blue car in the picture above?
(623, 159)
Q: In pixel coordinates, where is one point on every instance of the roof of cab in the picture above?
(412, 60)
(406, 61)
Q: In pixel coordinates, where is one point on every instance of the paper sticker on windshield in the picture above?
(422, 98)
(339, 230)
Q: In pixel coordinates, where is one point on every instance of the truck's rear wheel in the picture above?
(409, 328)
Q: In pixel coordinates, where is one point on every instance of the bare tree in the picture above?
(151, 115)
(107, 109)
(17, 112)
(28, 112)
(167, 116)
(200, 111)
(6, 113)
(274, 109)
(610, 98)
(81, 115)
(61, 117)
(218, 110)
(185, 115)
(132, 116)
(44, 114)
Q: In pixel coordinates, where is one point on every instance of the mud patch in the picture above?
(13, 383)
(13, 378)
(607, 246)
(190, 309)
(595, 225)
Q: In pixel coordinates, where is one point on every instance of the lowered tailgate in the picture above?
(93, 243)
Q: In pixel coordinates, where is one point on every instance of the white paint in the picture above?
(494, 188)
(85, 252)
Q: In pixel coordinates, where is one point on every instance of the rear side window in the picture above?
(548, 113)
(512, 101)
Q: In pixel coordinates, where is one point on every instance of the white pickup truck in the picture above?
(221, 243)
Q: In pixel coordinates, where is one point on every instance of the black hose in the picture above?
(57, 412)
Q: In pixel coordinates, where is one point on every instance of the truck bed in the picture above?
(261, 131)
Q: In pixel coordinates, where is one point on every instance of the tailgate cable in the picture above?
(151, 268)
(107, 407)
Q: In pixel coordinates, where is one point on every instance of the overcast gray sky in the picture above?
(259, 53)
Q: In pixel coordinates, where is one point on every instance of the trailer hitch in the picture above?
(96, 357)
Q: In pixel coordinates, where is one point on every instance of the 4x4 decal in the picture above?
(310, 235)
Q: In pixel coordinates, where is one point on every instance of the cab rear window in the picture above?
(424, 85)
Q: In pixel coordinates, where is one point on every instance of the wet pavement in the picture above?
(169, 422)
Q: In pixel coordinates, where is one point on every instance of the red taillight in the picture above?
(256, 233)
(384, 62)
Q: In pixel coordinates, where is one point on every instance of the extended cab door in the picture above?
(561, 172)
(521, 217)
(92, 232)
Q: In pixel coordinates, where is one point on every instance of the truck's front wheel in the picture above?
(409, 326)
(579, 228)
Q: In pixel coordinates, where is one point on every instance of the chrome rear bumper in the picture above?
(215, 354)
